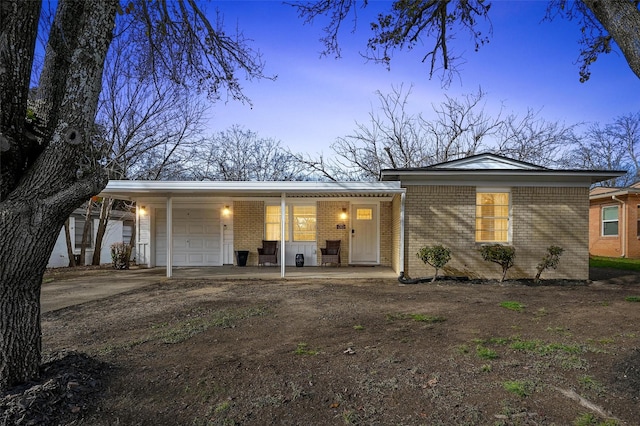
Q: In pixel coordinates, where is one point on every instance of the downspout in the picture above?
(169, 237)
(623, 226)
(283, 223)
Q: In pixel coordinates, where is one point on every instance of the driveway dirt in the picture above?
(328, 351)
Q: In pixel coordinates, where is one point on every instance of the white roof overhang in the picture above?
(132, 190)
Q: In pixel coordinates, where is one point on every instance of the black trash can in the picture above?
(299, 260)
(241, 257)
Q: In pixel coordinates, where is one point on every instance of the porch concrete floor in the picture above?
(273, 272)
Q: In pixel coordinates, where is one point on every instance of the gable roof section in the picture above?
(486, 162)
(493, 170)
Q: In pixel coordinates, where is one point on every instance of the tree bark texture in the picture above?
(38, 196)
(621, 19)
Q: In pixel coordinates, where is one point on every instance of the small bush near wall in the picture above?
(120, 255)
(549, 261)
(436, 256)
(502, 255)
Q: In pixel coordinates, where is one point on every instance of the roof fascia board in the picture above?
(206, 186)
(428, 176)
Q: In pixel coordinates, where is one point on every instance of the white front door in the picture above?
(196, 237)
(364, 234)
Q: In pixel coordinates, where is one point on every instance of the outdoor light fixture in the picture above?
(142, 210)
(226, 211)
(343, 215)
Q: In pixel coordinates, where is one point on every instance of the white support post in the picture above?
(169, 237)
(283, 224)
(402, 199)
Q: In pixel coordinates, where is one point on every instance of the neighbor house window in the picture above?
(79, 230)
(610, 221)
(492, 217)
(302, 227)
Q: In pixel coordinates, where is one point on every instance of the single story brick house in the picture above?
(614, 230)
(461, 204)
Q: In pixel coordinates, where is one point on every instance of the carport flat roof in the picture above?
(133, 189)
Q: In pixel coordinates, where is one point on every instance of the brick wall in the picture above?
(395, 232)
(551, 216)
(327, 219)
(440, 215)
(248, 228)
(386, 233)
(540, 217)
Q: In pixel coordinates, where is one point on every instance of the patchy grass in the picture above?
(588, 419)
(486, 353)
(303, 349)
(512, 306)
(185, 329)
(431, 319)
(614, 263)
(518, 387)
(632, 298)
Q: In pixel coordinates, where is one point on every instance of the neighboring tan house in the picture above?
(614, 230)
(119, 229)
(461, 204)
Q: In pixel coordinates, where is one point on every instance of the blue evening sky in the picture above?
(314, 100)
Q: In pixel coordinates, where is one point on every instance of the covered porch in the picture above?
(206, 224)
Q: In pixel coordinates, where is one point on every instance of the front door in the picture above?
(364, 234)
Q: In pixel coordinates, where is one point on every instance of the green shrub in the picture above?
(550, 260)
(502, 255)
(436, 256)
(120, 255)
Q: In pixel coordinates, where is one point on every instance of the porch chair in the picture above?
(268, 253)
(331, 253)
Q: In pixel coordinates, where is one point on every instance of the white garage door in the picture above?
(196, 237)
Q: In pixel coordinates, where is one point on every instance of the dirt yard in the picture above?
(253, 352)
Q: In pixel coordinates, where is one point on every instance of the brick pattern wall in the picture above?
(395, 232)
(327, 219)
(551, 216)
(386, 233)
(540, 217)
(615, 246)
(440, 215)
(248, 228)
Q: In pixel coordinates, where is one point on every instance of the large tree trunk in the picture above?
(46, 190)
(621, 19)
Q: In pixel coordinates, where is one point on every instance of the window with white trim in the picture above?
(610, 221)
(492, 217)
(302, 227)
